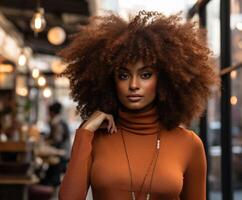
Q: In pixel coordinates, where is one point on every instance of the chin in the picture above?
(135, 106)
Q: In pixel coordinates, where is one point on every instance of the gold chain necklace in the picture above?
(155, 157)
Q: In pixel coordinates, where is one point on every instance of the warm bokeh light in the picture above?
(2, 79)
(22, 60)
(47, 92)
(6, 68)
(56, 35)
(233, 100)
(41, 81)
(233, 74)
(22, 91)
(239, 26)
(35, 73)
(57, 66)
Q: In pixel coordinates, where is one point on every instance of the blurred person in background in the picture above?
(59, 137)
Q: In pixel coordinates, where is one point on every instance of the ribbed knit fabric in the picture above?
(144, 123)
(98, 160)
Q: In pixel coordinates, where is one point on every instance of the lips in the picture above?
(134, 97)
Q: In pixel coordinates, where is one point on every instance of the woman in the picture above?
(139, 81)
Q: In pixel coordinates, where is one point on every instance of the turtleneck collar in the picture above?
(144, 123)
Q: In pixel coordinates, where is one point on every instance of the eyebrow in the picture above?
(140, 69)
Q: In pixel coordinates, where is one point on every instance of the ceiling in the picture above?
(69, 14)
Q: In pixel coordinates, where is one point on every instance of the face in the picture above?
(136, 85)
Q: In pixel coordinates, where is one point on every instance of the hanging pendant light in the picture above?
(38, 22)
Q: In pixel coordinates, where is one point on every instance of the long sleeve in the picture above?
(194, 185)
(77, 178)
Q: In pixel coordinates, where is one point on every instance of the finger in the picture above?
(112, 129)
(116, 129)
(109, 123)
(113, 126)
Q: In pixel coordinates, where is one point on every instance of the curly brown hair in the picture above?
(186, 77)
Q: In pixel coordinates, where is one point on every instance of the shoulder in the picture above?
(195, 148)
(190, 136)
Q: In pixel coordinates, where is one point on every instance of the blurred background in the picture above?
(38, 119)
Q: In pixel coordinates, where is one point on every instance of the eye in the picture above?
(123, 76)
(146, 75)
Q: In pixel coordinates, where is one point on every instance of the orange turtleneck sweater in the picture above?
(98, 159)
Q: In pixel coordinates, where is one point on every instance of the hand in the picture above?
(100, 119)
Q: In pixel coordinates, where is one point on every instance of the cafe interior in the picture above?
(32, 32)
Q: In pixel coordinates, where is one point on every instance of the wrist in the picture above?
(87, 127)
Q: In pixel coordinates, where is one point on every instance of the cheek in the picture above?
(120, 88)
(151, 88)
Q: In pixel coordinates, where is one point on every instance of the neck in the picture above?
(143, 122)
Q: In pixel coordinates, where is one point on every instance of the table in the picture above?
(16, 187)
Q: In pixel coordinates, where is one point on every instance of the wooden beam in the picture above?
(52, 6)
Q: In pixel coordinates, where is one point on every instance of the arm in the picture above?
(194, 183)
(76, 180)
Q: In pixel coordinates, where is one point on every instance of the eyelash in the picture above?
(121, 74)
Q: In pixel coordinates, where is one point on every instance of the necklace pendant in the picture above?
(133, 196)
(148, 196)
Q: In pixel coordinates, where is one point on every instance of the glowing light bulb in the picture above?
(41, 81)
(22, 60)
(233, 100)
(47, 92)
(35, 73)
(233, 74)
(38, 22)
(22, 91)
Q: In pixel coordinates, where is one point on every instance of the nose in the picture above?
(133, 84)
